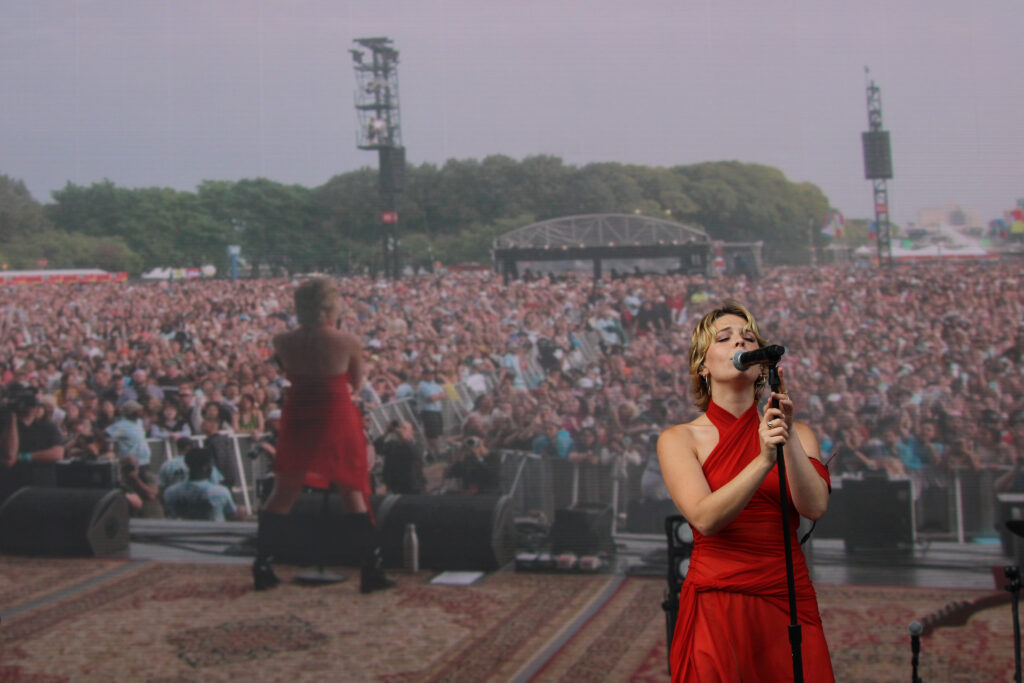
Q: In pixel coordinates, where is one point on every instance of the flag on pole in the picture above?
(873, 230)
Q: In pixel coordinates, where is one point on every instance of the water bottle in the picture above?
(411, 549)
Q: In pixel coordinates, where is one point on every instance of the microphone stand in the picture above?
(1013, 575)
(915, 650)
(795, 633)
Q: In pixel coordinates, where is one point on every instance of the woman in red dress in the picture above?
(321, 435)
(721, 472)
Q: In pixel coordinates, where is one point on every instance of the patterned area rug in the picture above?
(867, 631)
(90, 620)
(26, 579)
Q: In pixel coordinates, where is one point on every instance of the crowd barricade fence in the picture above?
(974, 504)
(540, 486)
(959, 507)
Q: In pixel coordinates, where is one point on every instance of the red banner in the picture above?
(389, 217)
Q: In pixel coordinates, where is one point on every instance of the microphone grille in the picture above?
(915, 628)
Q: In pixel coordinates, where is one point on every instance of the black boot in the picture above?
(268, 525)
(371, 569)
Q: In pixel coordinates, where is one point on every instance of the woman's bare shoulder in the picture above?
(350, 340)
(686, 432)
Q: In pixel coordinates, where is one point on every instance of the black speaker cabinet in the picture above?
(318, 532)
(456, 532)
(877, 154)
(24, 474)
(647, 516)
(680, 546)
(87, 475)
(583, 529)
(871, 514)
(64, 521)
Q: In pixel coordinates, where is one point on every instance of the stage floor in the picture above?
(179, 605)
(929, 563)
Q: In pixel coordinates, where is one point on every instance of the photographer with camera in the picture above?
(37, 439)
(476, 469)
(140, 489)
(403, 459)
(25, 438)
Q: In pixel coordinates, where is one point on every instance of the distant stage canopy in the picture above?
(601, 237)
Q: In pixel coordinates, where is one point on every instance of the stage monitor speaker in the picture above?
(64, 522)
(680, 546)
(583, 529)
(458, 532)
(22, 474)
(87, 475)
(314, 535)
(455, 532)
(880, 515)
(647, 515)
(877, 155)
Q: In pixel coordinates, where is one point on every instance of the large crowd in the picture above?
(913, 370)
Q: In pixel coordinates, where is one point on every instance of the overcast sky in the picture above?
(174, 92)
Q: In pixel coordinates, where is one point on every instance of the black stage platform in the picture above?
(927, 563)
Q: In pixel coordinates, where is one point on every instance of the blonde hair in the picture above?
(704, 336)
(314, 300)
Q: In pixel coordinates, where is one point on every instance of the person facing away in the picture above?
(720, 470)
(403, 459)
(321, 433)
(198, 497)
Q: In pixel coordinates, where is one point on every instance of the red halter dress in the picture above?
(734, 606)
(322, 434)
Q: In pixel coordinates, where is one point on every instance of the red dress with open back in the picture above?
(322, 434)
(734, 605)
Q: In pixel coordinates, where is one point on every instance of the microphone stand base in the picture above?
(319, 577)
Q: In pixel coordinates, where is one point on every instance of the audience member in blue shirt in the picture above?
(553, 442)
(200, 498)
(127, 435)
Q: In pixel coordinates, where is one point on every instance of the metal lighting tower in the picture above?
(380, 128)
(878, 168)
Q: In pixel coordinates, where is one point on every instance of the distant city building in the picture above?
(950, 214)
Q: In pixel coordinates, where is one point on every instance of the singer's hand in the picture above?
(775, 435)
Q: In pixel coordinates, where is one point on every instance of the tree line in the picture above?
(449, 213)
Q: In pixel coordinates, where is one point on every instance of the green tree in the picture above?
(750, 202)
(163, 227)
(20, 214)
(73, 250)
(276, 225)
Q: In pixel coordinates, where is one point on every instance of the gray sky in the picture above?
(174, 92)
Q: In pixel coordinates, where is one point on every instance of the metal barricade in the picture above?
(540, 486)
(242, 445)
(527, 479)
(974, 504)
(160, 451)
